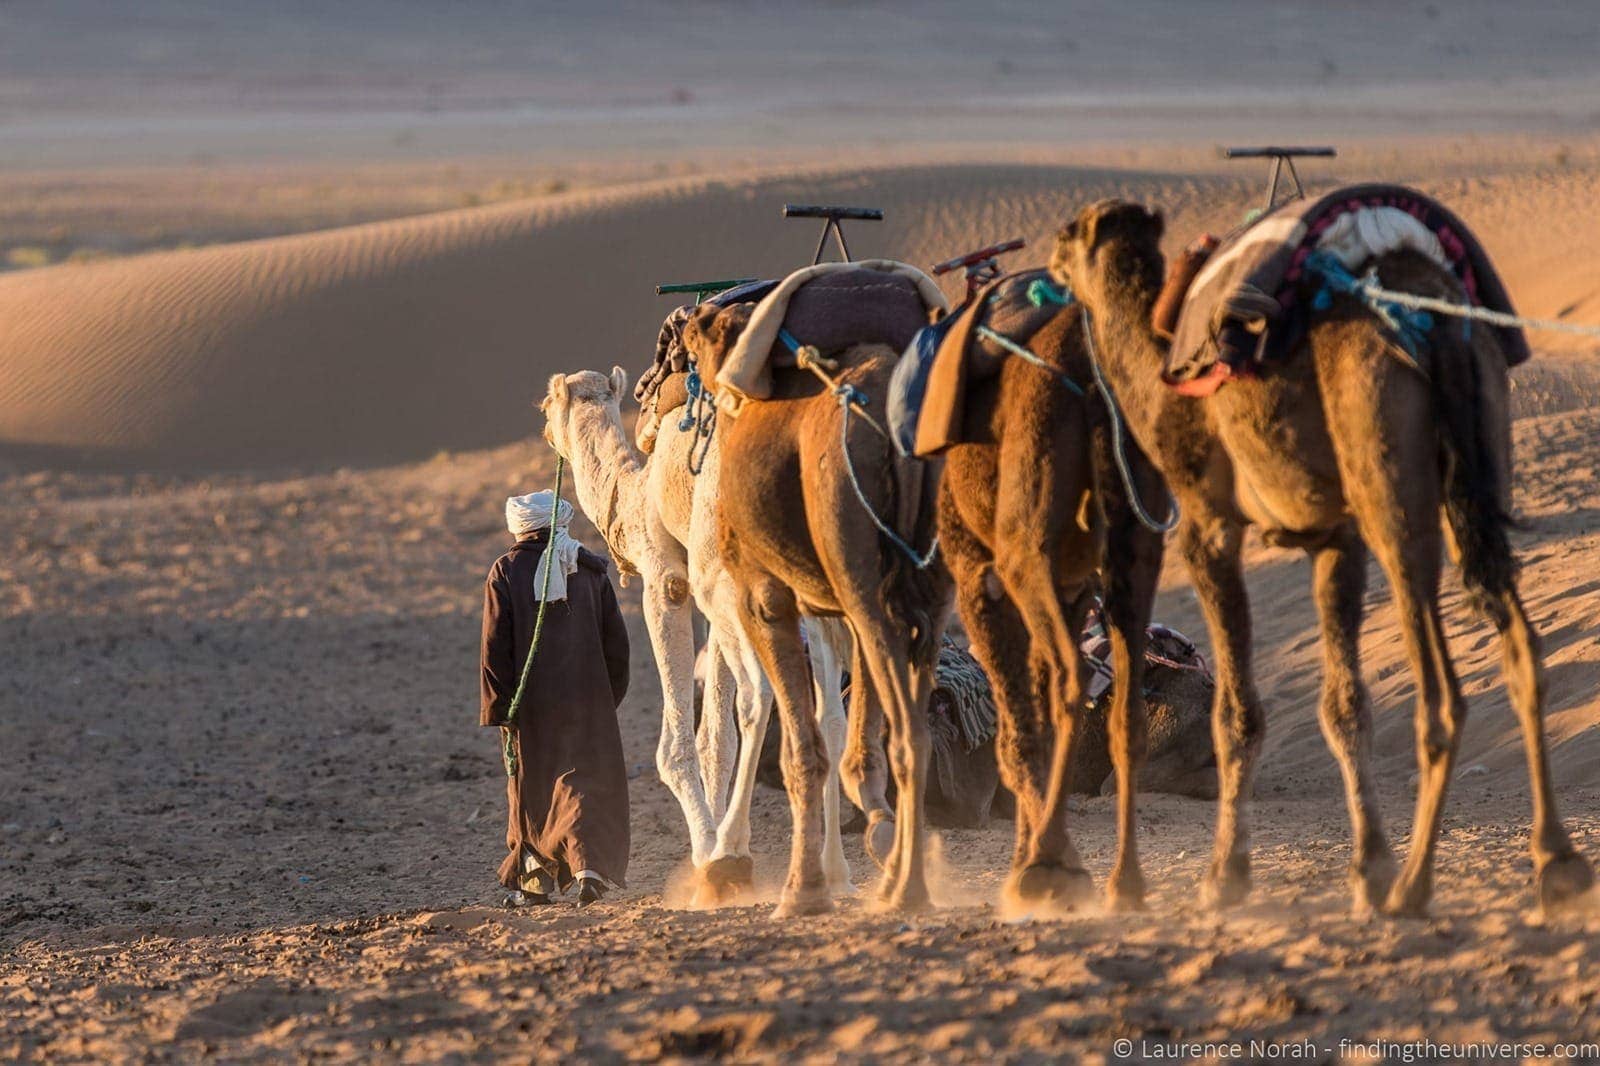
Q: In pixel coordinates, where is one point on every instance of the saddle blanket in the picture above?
(830, 306)
(927, 395)
(1248, 304)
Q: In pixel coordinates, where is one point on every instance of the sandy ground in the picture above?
(245, 813)
(275, 294)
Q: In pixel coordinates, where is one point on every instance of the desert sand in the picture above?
(249, 490)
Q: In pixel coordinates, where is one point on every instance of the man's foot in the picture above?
(517, 898)
(537, 884)
(590, 890)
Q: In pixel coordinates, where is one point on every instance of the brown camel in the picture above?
(797, 541)
(1031, 514)
(1342, 449)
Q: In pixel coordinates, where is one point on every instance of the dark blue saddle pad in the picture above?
(908, 385)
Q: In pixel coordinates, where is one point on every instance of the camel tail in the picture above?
(1471, 396)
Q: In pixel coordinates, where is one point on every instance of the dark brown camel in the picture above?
(1341, 449)
(1029, 516)
(797, 541)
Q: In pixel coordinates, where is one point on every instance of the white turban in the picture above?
(531, 513)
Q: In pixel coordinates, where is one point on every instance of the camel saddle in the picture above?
(829, 307)
(1249, 304)
(927, 396)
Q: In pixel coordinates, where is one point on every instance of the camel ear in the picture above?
(619, 382)
(558, 388)
(1090, 229)
(1158, 222)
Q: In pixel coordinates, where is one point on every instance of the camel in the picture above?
(1342, 449)
(660, 521)
(1027, 551)
(797, 542)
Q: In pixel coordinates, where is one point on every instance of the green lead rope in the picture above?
(510, 750)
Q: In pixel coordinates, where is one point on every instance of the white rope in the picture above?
(1478, 314)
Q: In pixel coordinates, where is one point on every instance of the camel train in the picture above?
(827, 464)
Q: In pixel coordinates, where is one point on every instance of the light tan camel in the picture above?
(1030, 516)
(660, 521)
(798, 542)
(1341, 449)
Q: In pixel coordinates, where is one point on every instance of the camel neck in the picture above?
(1131, 355)
(606, 470)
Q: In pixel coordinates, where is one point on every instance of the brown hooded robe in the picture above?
(569, 795)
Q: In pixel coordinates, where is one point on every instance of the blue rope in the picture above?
(1410, 325)
(1041, 292)
(691, 409)
(1029, 357)
(700, 415)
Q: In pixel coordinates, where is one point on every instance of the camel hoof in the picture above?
(905, 900)
(1125, 895)
(1409, 898)
(722, 881)
(1370, 885)
(1051, 885)
(1563, 880)
(804, 902)
(1227, 884)
(879, 839)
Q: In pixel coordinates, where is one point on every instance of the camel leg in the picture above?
(771, 618)
(716, 742)
(904, 690)
(1398, 515)
(832, 721)
(862, 770)
(1413, 570)
(1054, 872)
(1132, 571)
(671, 629)
(1560, 873)
(999, 641)
(730, 869)
(1339, 582)
(1000, 644)
(1384, 433)
(1034, 529)
(1211, 546)
(884, 646)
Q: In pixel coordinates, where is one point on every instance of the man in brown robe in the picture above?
(567, 783)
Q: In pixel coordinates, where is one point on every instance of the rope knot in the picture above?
(809, 355)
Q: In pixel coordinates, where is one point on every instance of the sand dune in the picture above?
(393, 340)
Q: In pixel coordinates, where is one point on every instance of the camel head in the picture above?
(711, 333)
(575, 403)
(1110, 244)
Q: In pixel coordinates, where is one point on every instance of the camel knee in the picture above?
(1442, 734)
(805, 766)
